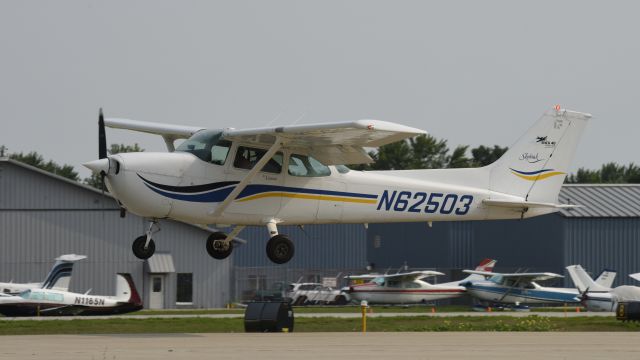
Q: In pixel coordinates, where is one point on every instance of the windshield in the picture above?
(207, 145)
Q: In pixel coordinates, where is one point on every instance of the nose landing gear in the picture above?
(143, 246)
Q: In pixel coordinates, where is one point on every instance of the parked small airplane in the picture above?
(407, 288)
(598, 297)
(48, 302)
(57, 279)
(522, 288)
(296, 175)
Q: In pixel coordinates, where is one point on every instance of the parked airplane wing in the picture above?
(408, 276)
(331, 143)
(520, 277)
(635, 276)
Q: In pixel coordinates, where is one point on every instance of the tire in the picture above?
(340, 300)
(217, 252)
(139, 250)
(300, 300)
(280, 249)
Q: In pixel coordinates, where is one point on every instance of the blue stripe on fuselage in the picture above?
(250, 190)
(543, 295)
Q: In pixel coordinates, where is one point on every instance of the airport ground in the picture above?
(371, 346)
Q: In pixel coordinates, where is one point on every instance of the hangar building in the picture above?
(43, 216)
(603, 233)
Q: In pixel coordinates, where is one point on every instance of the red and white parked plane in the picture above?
(407, 288)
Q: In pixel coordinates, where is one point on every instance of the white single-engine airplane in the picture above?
(522, 288)
(408, 288)
(596, 296)
(49, 302)
(57, 279)
(296, 175)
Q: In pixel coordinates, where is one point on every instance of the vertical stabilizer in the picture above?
(606, 278)
(485, 265)
(536, 165)
(126, 290)
(59, 276)
(582, 280)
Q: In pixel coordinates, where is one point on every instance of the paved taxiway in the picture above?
(318, 315)
(415, 345)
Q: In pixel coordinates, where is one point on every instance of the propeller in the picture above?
(102, 137)
(584, 297)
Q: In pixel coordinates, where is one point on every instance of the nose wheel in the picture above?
(141, 249)
(143, 246)
(218, 247)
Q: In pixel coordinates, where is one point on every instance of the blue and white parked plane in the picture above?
(296, 175)
(57, 279)
(522, 288)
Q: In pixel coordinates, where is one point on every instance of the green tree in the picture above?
(34, 159)
(484, 155)
(95, 179)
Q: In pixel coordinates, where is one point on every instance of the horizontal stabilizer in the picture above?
(522, 204)
(635, 276)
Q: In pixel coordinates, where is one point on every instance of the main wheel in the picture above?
(217, 247)
(280, 249)
(140, 251)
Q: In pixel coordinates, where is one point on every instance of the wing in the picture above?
(165, 130)
(519, 277)
(362, 277)
(635, 276)
(330, 143)
(414, 275)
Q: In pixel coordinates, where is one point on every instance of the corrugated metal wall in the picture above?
(604, 243)
(42, 217)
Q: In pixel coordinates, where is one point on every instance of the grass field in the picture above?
(338, 309)
(324, 324)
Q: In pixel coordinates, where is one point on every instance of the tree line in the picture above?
(421, 152)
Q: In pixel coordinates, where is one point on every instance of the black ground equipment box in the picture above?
(628, 311)
(263, 316)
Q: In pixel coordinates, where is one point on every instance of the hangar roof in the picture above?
(601, 200)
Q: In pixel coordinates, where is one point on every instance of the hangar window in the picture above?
(184, 288)
(307, 166)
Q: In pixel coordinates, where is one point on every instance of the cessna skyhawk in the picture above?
(296, 175)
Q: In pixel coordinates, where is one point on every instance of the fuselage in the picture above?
(530, 293)
(182, 186)
(405, 292)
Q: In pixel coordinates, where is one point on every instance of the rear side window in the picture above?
(307, 166)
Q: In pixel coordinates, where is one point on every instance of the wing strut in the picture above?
(245, 181)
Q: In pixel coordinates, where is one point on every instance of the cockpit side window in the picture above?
(208, 146)
(307, 166)
(247, 158)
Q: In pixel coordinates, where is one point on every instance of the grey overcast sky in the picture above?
(472, 72)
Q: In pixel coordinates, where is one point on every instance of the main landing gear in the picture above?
(279, 248)
(218, 247)
(143, 246)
